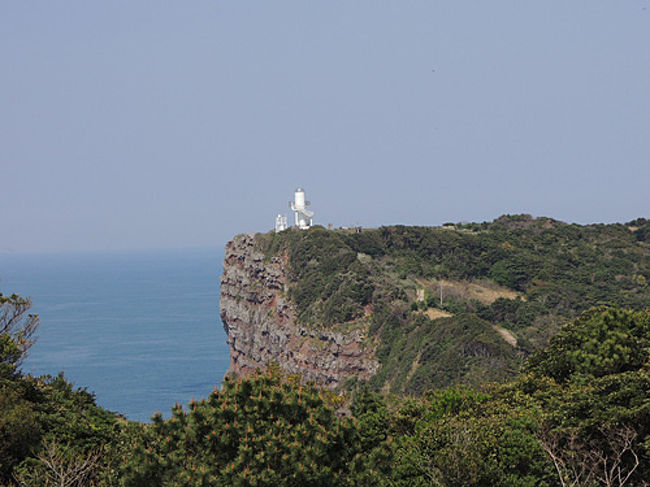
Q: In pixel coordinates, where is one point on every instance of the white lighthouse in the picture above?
(304, 217)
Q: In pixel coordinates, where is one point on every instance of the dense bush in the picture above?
(330, 284)
(602, 341)
(263, 430)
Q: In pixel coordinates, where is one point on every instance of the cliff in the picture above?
(413, 308)
(262, 326)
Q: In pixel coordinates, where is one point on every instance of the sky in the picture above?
(141, 125)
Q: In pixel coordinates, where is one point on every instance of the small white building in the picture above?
(280, 223)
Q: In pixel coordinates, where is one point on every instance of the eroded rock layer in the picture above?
(262, 327)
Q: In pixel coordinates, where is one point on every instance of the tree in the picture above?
(17, 324)
(262, 430)
(600, 342)
(58, 466)
(596, 428)
(583, 462)
(19, 428)
(463, 438)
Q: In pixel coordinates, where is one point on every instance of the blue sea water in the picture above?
(139, 329)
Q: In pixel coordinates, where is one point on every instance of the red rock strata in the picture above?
(262, 326)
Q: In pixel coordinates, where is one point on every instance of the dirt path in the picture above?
(414, 367)
(506, 335)
(435, 313)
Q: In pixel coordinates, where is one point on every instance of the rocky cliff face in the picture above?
(262, 326)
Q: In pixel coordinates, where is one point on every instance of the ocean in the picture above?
(139, 329)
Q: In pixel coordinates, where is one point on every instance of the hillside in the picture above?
(423, 307)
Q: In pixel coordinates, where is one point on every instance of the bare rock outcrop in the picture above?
(262, 326)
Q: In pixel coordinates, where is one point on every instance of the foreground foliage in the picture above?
(557, 424)
(264, 430)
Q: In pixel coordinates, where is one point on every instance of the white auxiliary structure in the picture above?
(280, 223)
(304, 217)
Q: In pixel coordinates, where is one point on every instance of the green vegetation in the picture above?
(459, 405)
(558, 419)
(331, 283)
(554, 271)
(578, 415)
(443, 351)
(600, 342)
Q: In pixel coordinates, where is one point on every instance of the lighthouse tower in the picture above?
(304, 217)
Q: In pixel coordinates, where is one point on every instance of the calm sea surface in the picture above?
(139, 329)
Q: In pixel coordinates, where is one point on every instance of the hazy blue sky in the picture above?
(169, 124)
